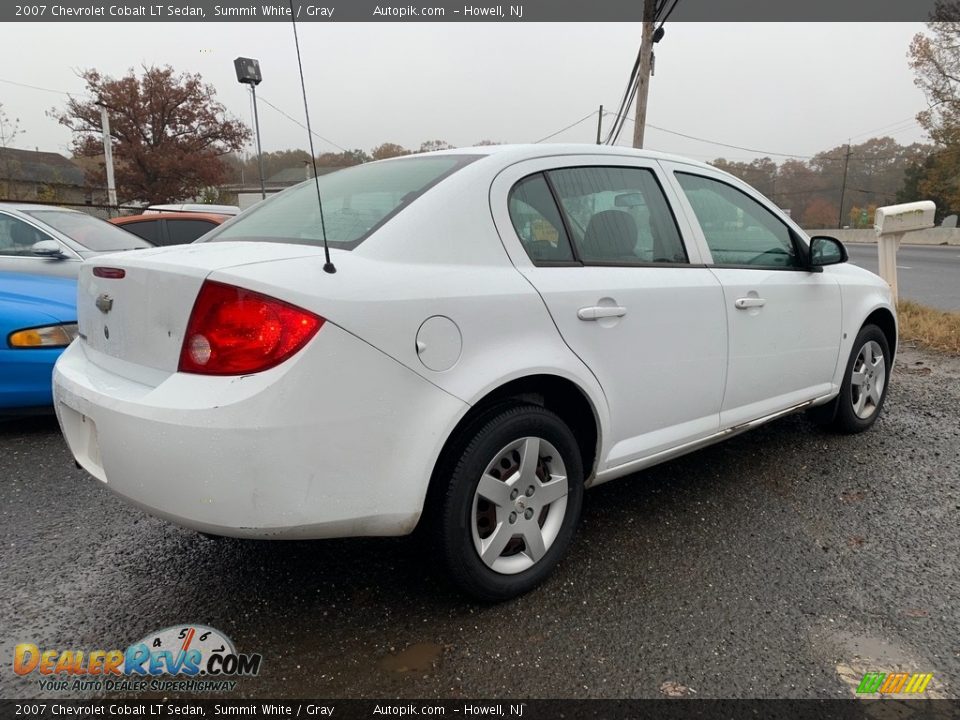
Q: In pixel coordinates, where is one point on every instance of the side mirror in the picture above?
(48, 249)
(825, 250)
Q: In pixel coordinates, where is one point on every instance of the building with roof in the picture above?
(44, 177)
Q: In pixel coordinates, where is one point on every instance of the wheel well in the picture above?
(554, 393)
(883, 319)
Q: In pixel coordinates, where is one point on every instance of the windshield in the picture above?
(93, 233)
(356, 201)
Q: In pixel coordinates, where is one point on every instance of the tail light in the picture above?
(233, 331)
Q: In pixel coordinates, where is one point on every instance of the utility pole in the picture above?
(108, 157)
(643, 79)
(599, 124)
(843, 186)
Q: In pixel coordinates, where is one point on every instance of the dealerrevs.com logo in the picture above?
(186, 658)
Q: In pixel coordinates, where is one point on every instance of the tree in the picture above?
(343, 159)
(169, 133)
(431, 145)
(935, 60)
(388, 150)
(760, 173)
(820, 213)
(797, 186)
(920, 183)
(246, 169)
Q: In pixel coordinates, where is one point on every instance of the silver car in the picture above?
(47, 240)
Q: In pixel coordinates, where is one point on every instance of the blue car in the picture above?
(38, 319)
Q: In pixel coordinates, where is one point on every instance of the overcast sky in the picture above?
(787, 88)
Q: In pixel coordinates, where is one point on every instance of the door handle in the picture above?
(749, 302)
(601, 311)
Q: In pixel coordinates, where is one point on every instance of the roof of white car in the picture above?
(24, 206)
(514, 153)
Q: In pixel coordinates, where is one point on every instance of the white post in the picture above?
(887, 246)
(108, 157)
(892, 222)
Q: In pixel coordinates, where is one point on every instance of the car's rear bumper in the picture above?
(338, 441)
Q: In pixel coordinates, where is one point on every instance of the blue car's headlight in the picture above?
(49, 336)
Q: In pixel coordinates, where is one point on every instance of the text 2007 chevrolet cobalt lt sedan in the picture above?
(505, 327)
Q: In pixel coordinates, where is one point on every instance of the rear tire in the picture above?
(866, 380)
(511, 503)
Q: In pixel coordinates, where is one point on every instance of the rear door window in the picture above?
(618, 216)
(537, 220)
(181, 231)
(149, 230)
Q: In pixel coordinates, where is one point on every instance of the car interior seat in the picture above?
(611, 235)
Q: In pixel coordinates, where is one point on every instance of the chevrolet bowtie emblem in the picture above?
(104, 303)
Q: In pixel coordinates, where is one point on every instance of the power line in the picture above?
(633, 84)
(669, 12)
(293, 119)
(563, 129)
(623, 117)
(727, 145)
(769, 152)
(884, 127)
(35, 87)
(624, 102)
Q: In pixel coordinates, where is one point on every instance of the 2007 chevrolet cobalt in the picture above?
(505, 327)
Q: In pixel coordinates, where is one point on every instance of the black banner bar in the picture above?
(886, 709)
(856, 11)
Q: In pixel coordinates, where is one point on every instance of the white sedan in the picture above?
(505, 327)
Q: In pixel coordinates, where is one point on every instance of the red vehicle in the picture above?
(170, 228)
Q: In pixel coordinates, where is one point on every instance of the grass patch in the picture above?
(930, 327)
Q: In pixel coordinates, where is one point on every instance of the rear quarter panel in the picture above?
(441, 256)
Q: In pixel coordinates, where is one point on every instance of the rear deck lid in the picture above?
(134, 306)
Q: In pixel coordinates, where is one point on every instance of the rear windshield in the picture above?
(93, 233)
(356, 201)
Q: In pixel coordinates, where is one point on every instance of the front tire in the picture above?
(866, 380)
(512, 502)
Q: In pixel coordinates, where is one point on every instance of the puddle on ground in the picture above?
(419, 657)
(856, 654)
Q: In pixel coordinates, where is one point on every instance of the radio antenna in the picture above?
(328, 265)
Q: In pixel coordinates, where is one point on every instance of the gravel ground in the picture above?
(782, 563)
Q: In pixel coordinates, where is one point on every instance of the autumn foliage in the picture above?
(935, 59)
(169, 133)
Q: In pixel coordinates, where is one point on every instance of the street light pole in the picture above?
(248, 73)
(256, 125)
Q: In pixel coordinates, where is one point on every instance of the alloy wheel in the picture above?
(519, 505)
(867, 380)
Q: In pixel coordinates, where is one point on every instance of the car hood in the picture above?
(35, 298)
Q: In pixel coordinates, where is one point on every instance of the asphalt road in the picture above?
(929, 274)
(783, 563)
